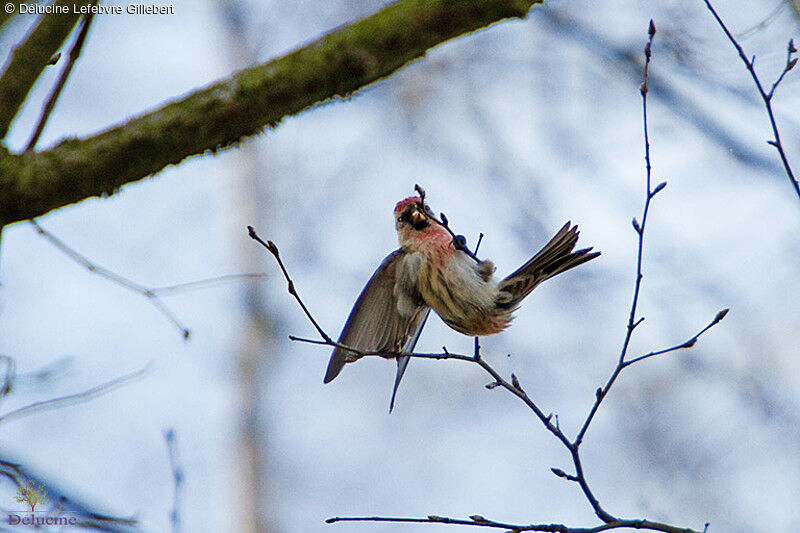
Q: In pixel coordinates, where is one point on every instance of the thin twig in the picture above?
(74, 54)
(153, 294)
(573, 446)
(791, 61)
(269, 245)
(150, 294)
(459, 242)
(687, 344)
(479, 521)
(203, 283)
(113, 277)
(87, 515)
(72, 399)
(177, 476)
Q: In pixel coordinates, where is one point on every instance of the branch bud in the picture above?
(792, 49)
(420, 191)
(558, 472)
(635, 224)
(643, 88)
(721, 315)
(658, 188)
(790, 65)
(651, 31)
(444, 219)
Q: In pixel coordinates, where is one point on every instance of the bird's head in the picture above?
(413, 221)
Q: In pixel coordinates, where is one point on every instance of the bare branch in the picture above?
(609, 521)
(687, 344)
(791, 61)
(87, 516)
(479, 521)
(74, 54)
(113, 277)
(177, 476)
(269, 245)
(72, 399)
(31, 57)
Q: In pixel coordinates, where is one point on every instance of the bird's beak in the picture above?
(417, 217)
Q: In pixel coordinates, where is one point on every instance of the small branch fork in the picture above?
(766, 96)
(512, 385)
(153, 294)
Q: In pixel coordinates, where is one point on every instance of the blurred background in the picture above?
(513, 131)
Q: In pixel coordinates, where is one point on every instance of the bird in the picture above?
(431, 271)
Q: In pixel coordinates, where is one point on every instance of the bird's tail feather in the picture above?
(554, 258)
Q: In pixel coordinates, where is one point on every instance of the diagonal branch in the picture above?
(791, 61)
(72, 399)
(74, 54)
(334, 66)
(30, 58)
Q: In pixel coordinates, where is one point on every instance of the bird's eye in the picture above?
(404, 217)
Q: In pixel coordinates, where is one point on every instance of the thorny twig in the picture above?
(609, 521)
(791, 61)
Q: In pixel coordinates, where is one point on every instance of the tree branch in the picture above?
(30, 58)
(74, 54)
(791, 61)
(479, 521)
(71, 399)
(609, 521)
(336, 65)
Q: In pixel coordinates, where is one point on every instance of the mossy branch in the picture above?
(334, 66)
(30, 58)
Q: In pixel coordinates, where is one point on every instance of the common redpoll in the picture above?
(429, 272)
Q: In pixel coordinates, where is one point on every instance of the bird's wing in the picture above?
(375, 323)
(402, 361)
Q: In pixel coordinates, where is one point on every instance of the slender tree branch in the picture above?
(204, 283)
(30, 58)
(74, 54)
(609, 521)
(639, 228)
(269, 245)
(479, 521)
(87, 516)
(177, 476)
(687, 344)
(72, 399)
(113, 277)
(334, 66)
(791, 61)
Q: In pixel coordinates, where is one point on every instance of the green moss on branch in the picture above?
(216, 117)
